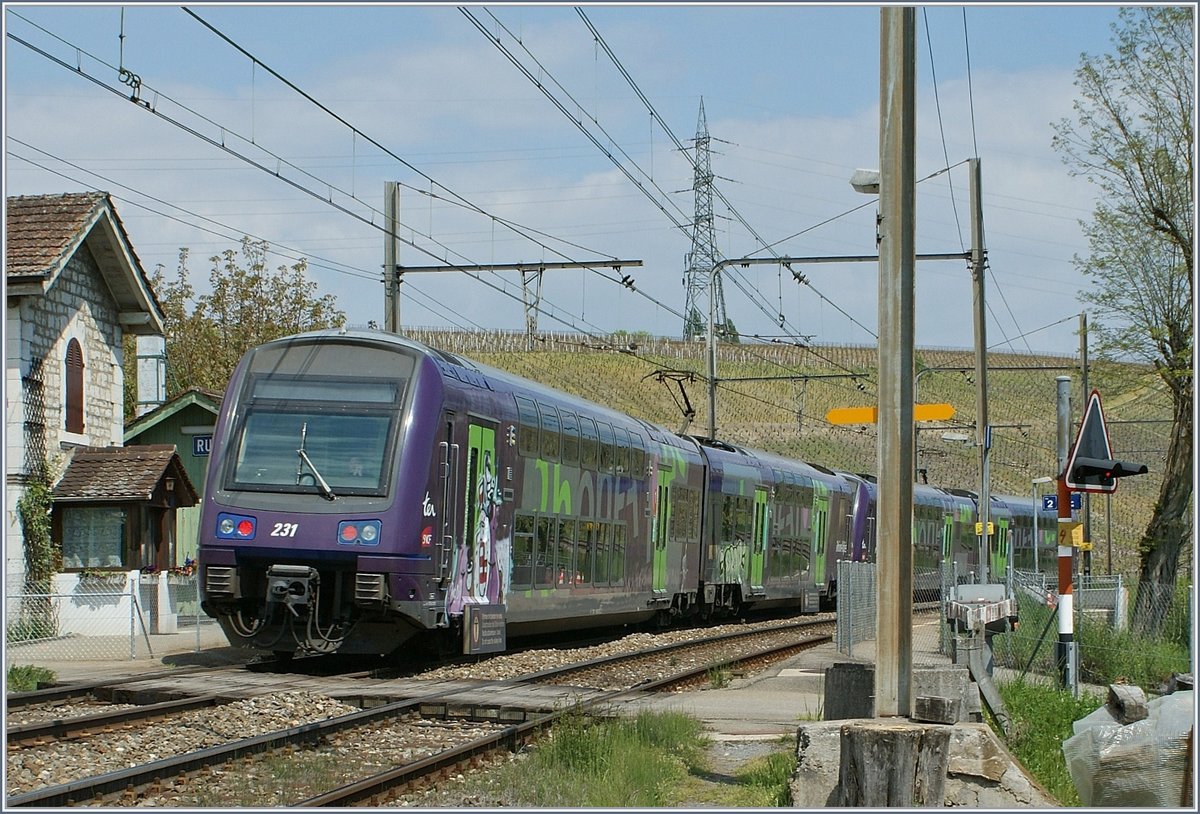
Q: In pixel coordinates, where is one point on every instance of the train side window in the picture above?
(570, 438)
(744, 519)
(589, 449)
(608, 453)
(522, 574)
(543, 564)
(638, 455)
(584, 551)
(616, 571)
(550, 431)
(565, 562)
(527, 434)
(622, 443)
(603, 530)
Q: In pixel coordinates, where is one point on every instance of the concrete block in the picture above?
(948, 681)
(936, 709)
(849, 691)
(975, 752)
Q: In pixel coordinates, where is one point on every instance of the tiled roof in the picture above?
(123, 474)
(43, 229)
(43, 232)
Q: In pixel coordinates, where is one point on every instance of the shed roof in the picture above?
(205, 399)
(43, 232)
(123, 474)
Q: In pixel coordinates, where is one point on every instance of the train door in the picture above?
(947, 537)
(448, 466)
(662, 520)
(761, 529)
(1000, 550)
(820, 530)
(480, 563)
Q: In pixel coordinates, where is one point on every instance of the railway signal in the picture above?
(1100, 475)
(1091, 467)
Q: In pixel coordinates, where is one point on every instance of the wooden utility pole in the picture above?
(897, 261)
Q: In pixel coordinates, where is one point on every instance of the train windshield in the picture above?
(304, 428)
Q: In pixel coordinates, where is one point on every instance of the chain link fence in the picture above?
(108, 617)
(858, 609)
(1113, 642)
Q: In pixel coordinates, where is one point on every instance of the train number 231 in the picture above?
(285, 529)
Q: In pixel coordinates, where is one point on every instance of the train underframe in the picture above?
(294, 608)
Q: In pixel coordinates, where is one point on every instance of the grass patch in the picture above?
(26, 678)
(1106, 655)
(587, 762)
(719, 677)
(1041, 717)
(766, 781)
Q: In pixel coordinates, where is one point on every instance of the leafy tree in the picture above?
(1132, 136)
(249, 304)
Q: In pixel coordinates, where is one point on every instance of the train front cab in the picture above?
(311, 535)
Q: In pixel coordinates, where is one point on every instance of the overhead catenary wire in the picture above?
(326, 199)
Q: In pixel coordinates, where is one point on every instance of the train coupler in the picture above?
(294, 586)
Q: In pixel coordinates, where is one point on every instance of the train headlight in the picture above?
(235, 527)
(360, 532)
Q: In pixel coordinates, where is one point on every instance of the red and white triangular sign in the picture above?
(1091, 442)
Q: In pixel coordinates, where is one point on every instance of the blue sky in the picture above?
(791, 98)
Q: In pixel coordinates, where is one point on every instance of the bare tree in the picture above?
(1132, 135)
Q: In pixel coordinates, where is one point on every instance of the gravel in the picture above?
(269, 781)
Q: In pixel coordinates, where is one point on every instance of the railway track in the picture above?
(461, 721)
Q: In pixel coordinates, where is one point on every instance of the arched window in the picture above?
(73, 396)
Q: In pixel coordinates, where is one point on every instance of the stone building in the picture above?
(74, 290)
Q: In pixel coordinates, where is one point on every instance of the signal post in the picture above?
(1090, 468)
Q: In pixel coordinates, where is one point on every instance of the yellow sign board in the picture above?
(869, 415)
(1070, 534)
(1085, 546)
(979, 529)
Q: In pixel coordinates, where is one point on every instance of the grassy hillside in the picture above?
(775, 397)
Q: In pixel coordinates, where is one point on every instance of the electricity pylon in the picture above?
(700, 261)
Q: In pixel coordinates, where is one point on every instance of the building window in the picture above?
(93, 537)
(73, 400)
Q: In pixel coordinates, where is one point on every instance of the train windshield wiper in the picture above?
(322, 485)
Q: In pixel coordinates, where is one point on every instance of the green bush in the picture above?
(24, 677)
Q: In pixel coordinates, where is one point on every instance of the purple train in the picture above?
(365, 490)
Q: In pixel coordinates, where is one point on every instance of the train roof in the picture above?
(509, 382)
